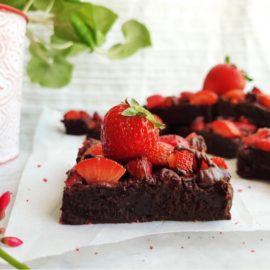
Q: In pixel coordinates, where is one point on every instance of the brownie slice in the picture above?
(227, 109)
(164, 196)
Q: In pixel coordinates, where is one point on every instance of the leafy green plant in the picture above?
(74, 27)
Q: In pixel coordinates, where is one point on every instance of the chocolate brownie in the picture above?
(164, 196)
(253, 160)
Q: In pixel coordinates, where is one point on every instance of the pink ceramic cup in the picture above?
(12, 36)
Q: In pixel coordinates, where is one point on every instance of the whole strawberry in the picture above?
(129, 131)
(225, 77)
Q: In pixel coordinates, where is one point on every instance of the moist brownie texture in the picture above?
(164, 196)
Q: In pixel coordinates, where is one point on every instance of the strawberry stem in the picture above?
(135, 109)
(12, 261)
(227, 60)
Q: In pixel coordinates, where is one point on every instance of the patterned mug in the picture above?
(12, 35)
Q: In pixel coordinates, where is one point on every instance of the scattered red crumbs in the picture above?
(39, 166)
(2, 230)
(77, 249)
(240, 190)
(252, 250)
(45, 180)
(151, 247)
(96, 253)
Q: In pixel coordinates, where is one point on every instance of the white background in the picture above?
(188, 38)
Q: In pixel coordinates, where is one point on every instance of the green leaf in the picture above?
(137, 37)
(129, 112)
(96, 18)
(54, 74)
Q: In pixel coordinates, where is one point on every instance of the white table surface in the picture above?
(188, 38)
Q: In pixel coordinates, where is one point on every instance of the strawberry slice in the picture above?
(198, 124)
(204, 97)
(181, 160)
(245, 127)
(139, 168)
(155, 101)
(94, 150)
(185, 96)
(159, 153)
(174, 140)
(235, 96)
(196, 142)
(256, 91)
(264, 100)
(261, 139)
(101, 171)
(74, 115)
(225, 128)
(220, 162)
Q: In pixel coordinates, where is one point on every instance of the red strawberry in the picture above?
(155, 101)
(261, 139)
(225, 77)
(128, 131)
(94, 150)
(174, 140)
(185, 96)
(100, 171)
(256, 91)
(159, 153)
(220, 162)
(97, 117)
(264, 100)
(181, 160)
(245, 126)
(234, 96)
(203, 98)
(198, 124)
(225, 128)
(139, 168)
(74, 115)
(72, 179)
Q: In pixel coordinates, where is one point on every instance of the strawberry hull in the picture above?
(164, 196)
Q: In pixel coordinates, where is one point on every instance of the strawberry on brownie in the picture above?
(253, 160)
(135, 175)
(223, 137)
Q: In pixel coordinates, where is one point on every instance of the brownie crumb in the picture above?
(39, 165)
(77, 249)
(151, 247)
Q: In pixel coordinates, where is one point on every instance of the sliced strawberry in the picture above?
(94, 150)
(235, 96)
(245, 126)
(261, 139)
(181, 160)
(196, 142)
(139, 168)
(220, 162)
(256, 91)
(74, 115)
(185, 96)
(198, 124)
(174, 140)
(264, 100)
(100, 171)
(155, 101)
(225, 128)
(204, 97)
(159, 153)
(73, 178)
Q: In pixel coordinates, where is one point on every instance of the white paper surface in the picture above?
(36, 212)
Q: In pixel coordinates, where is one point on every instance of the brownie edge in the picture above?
(165, 196)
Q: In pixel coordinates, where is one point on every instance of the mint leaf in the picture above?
(19, 4)
(56, 73)
(129, 112)
(137, 37)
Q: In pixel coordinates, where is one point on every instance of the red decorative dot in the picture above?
(240, 190)
(45, 180)
(252, 250)
(2, 230)
(151, 247)
(236, 223)
(39, 166)
(77, 249)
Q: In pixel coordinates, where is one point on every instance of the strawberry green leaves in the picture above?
(135, 109)
(136, 37)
